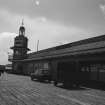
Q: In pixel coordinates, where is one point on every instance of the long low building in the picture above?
(87, 56)
(88, 46)
(80, 60)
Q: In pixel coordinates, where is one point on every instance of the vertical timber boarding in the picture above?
(55, 72)
(53, 65)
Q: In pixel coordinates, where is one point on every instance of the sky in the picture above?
(52, 22)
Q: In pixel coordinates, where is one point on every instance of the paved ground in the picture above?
(20, 90)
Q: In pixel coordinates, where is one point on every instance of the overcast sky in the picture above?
(52, 22)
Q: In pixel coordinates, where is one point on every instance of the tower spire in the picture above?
(22, 28)
(22, 22)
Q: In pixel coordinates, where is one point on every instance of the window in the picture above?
(45, 65)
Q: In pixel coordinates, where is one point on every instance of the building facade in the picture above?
(79, 61)
(19, 50)
(82, 60)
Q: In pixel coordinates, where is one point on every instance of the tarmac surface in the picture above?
(20, 90)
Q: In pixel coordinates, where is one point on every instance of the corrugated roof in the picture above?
(88, 46)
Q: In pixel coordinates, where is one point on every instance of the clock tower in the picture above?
(19, 50)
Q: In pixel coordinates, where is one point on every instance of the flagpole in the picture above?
(37, 45)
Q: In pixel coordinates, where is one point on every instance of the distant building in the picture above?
(8, 67)
(2, 67)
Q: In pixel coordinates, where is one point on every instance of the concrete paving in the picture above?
(20, 90)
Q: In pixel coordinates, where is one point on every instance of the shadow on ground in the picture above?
(41, 81)
(71, 87)
(86, 86)
(99, 86)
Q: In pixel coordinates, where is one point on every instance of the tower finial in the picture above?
(22, 29)
(22, 22)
